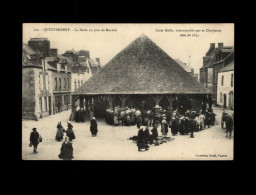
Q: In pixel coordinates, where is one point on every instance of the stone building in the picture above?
(214, 60)
(141, 71)
(187, 68)
(40, 76)
(36, 88)
(61, 83)
(82, 66)
(225, 91)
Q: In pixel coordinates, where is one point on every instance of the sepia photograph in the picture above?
(128, 91)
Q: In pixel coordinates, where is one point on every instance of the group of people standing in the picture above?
(66, 151)
(192, 121)
(80, 115)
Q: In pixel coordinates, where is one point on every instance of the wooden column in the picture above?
(90, 103)
(123, 99)
(157, 98)
(110, 99)
(170, 99)
(73, 108)
(81, 100)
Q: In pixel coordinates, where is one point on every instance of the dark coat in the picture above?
(146, 133)
(66, 151)
(175, 126)
(140, 136)
(34, 136)
(70, 134)
(229, 124)
(82, 116)
(154, 132)
(212, 118)
(93, 127)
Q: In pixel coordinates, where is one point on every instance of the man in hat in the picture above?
(229, 126)
(34, 136)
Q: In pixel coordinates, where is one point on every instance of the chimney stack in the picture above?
(40, 44)
(98, 60)
(53, 52)
(220, 44)
(212, 45)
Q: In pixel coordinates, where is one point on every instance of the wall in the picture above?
(79, 77)
(43, 91)
(226, 88)
(61, 92)
(28, 87)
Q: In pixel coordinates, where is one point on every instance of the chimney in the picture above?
(53, 52)
(212, 45)
(40, 44)
(220, 44)
(98, 60)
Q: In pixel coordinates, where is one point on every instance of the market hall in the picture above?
(142, 77)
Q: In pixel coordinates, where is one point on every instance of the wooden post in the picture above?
(110, 99)
(81, 100)
(170, 98)
(123, 99)
(73, 108)
(157, 99)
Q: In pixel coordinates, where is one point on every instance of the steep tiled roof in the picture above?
(142, 68)
(229, 67)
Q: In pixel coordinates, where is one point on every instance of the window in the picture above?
(60, 82)
(75, 85)
(68, 83)
(232, 80)
(45, 103)
(40, 103)
(64, 83)
(46, 82)
(41, 81)
(222, 80)
(82, 82)
(216, 76)
(56, 101)
(60, 100)
(56, 83)
(78, 83)
(220, 97)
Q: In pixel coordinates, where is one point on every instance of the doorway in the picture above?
(50, 105)
(225, 101)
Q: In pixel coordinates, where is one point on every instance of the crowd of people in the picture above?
(178, 121)
(183, 124)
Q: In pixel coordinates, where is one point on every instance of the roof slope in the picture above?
(229, 67)
(142, 68)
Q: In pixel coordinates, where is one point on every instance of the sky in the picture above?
(106, 44)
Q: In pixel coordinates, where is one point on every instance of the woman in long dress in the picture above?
(66, 151)
(60, 132)
(94, 127)
(164, 127)
(70, 132)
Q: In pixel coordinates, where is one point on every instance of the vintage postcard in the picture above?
(128, 91)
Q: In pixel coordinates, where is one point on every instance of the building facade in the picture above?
(40, 96)
(214, 60)
(225, 91)
(36, 85)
